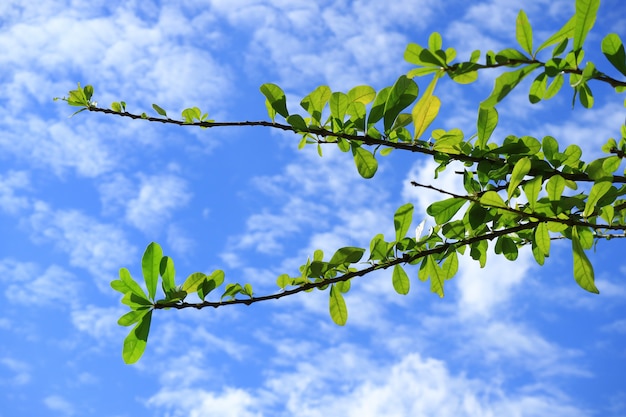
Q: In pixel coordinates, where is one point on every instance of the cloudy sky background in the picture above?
(81, 197)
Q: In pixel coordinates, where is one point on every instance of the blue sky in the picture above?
(81, 197)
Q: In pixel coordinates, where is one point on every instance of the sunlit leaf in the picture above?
(613, 49)
(135, 342)
(521, 168)
(524, 32)
(276, 98)
(505, 83)
(566, 32)
(598, 190)
(583, 270)
(347, 255)
(168, 273)
(193, 281)
(492, 199)
(365, 161)
(487, 122)
(159, 110)
(150, 263)
(337, 307)
(402, 93)
(586, 11)
(444, 210)
(402, 220)
(400, 280)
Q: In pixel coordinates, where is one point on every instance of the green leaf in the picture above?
(193, 281)
(566, 32)
(521, 168)
(365, 161)
(524, 32)
(315, 102)
(402, 93)
(437, 276)
(555, 187)
(337, 306)
(276, 98)
(378, 248)
(283, 281)
(168, 273)
(130, 283)
(135, 301)
(507, 247)
(505, 83)
(434, 41)
(583, 270)
(586, 11)
(554, 87)
(450, 266)
(487, 122)
(538, 88)
(338, 106)
(159, 110)
(402, 220)
(347, 255)
(598, 190)
(531, 190)
(378, 107)
(297, 122)
(116, 107)
(424, 112)
(400, 280)
(444, 210)
(613, 49)
(135, 342)
(492, 199)
(150, 263)
(133, 316)
(363, 94)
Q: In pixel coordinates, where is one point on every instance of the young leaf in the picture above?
(361, 94)
(276, 98)
(338, 106)
(505, 83)
(450, 266)
(437, 276)
(315, 102)
(586, 11)
(424, 112)
(337, 306)
(613, 49)
(487, 122)
(402, 220)
(365, 162)
(524, 32)
(378, 107)
(159, 110)
(135, 342)
(531, 190)
(521, 168)
(400, 280)
(150, 263)
(583, 270)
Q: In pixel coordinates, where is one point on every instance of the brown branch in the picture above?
(543, 218)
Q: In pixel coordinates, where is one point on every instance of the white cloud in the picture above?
(157, 197)
(55, 287)
(21, 370)
(98, 247)
(9, 183)
(191, 402)
(60, 404)
(98, 322)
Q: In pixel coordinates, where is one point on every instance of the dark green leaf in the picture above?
(402, 93)
(505, 83)
(347, 255)
(444, 210)
(613, 49)
(276, 98)
(159, 110)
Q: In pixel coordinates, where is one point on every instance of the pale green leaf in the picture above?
(365, 162)
(400, 280)
(521, 168)
(487, 122)
(337, 307)
(524, 32)
(531, 190)
(613, 49)
(168, 273)
(542, 238)
(492, 199)
(276, 98)
(566, 32)
(598, 190)
(586, 11)
(444, 210)
(505, 83)
(193, 281)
